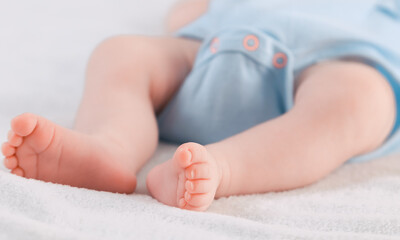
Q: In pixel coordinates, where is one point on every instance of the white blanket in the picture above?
(44, 46)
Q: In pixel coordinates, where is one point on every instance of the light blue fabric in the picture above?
(236, 84)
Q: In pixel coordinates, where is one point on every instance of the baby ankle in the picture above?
(223, 171)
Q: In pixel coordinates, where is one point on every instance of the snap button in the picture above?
(214, 45)
(251, 43)
(279, 60)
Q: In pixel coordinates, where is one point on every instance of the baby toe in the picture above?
(198, 171)
(11, 162)
(24, 124)
(18, 171)
(190, 153)
(14, 139)
(198, 200)
(182, 157)
(198, 209)
(182, 203)
(7, 149)
(199, 186)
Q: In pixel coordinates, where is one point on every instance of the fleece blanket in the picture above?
(44, 46)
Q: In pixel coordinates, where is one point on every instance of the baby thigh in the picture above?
(342, 109)
(353, 99)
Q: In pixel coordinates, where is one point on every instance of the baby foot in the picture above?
(40, 149)
(189, 180)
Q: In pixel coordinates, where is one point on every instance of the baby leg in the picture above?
(342, 109)
(129, 78)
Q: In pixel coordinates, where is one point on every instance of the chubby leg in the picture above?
(129, 79)
(342, 109)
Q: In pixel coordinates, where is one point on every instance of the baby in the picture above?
(276, 94)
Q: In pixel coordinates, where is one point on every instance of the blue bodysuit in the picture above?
(252, 50)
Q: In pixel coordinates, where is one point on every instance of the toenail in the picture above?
(187, 196)
(189, 185)
(192, 173)
(188, 155)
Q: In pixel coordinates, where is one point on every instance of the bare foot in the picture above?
(40, 149)
(189, 180)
